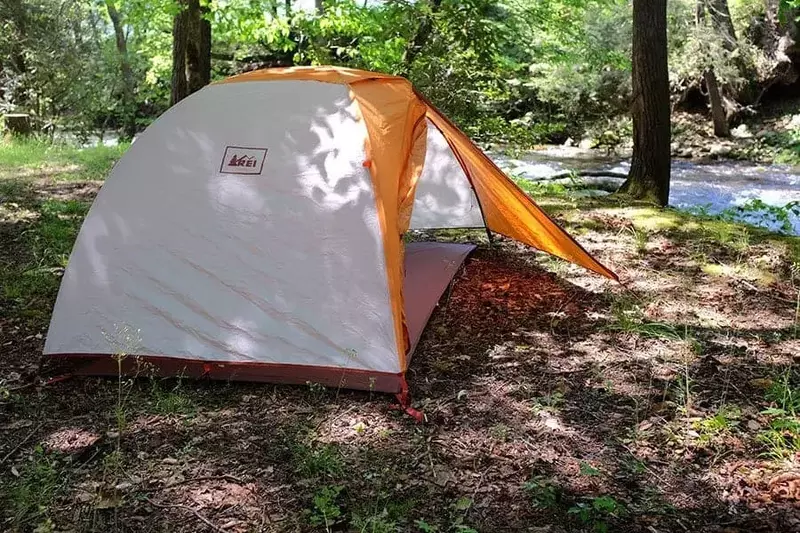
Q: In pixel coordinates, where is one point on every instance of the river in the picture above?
(709, 187)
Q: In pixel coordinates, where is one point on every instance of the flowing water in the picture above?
(713, 187)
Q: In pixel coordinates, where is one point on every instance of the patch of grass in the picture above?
(32, 493)
(84, 163)
(628, 316)
(324, 461)
(540, 188)
(170, 401)
(782, 438)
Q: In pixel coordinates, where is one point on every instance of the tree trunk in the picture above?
(318, 5)
(179, 31)
(288, 8)
(722, 22)
(718, 114)
(18, 124)
(128, 89)
(205, 48)
(650, 165)
(420, 38)
(198, 48)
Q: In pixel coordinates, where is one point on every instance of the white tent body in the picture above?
(241, 227)
(444, 197)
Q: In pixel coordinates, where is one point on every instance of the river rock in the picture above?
(585, 144)
(741, 132)
(720, 150)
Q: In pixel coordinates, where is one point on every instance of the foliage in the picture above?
(544, 493)
(597, 511)
(31, 494)
(782, 438)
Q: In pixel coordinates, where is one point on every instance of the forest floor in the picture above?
(556, 401)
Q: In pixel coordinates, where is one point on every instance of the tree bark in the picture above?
(718, 114)
(179, 31)
(420, 38)
(650, 166)
(723, 23)
(198, 48)
(128, 89)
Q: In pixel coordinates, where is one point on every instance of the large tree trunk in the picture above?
(179, 32)
(718, 114)
(128, 90)
(420, 38)
(650, 165)
(198, 48)
(722, 22)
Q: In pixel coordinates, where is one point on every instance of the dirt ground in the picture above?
(555, 400)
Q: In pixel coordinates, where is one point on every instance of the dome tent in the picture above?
(254, 232)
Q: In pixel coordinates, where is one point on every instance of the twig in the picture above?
(22, 442)
(197, 479)
(200, 517)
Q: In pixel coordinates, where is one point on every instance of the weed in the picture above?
(549, 402)
(32, 493)
(324, 461)
(425, 527)
(376, 523)
(640, 239)
(628, 317)
(500, 432)
(326, 510)
(595, 512)
(588, 470)
(544, 493)
(172, 401)
(722, 422)
(782, 438)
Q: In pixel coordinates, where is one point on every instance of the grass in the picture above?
(34, 258)
(80, 163)
(33, 491)
(782, 438)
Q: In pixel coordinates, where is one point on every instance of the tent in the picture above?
(255, 232)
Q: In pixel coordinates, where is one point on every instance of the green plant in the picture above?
(543, 491)
(170, 401)
(326, 510)
(628, 317)
(500, 432)
(323, 461)
(425, 527)
(549, 402)
(588, 470)
(32, 493)
(375, 523)
(595, 512)
(722, 422)
(782, 438)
